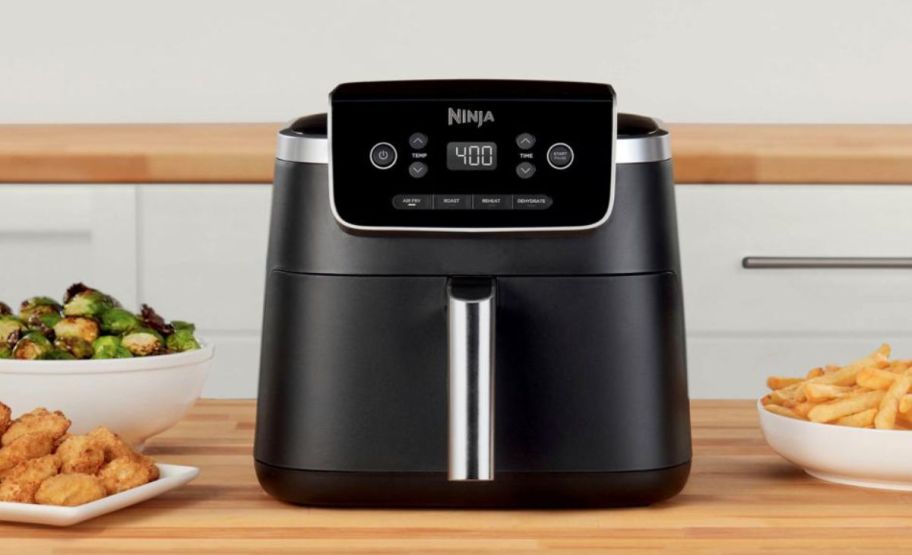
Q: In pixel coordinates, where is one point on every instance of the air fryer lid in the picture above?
(472, 155)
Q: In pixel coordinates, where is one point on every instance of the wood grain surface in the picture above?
(244, 153)
(741, 498)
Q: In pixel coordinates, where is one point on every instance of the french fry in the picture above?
(781, 411)
(863, 419)
(889, 405)
(802, 409)
(818, 392)
(905, 404)
(814, 372)
(779, 382)
(827, 412)
(875, 378)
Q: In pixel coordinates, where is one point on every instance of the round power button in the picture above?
(560, 156)
(383, 156)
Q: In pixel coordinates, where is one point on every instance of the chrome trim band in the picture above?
(311, 149)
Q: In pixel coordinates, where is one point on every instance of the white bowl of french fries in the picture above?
(846, 424)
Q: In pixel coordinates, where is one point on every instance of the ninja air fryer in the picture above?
(473, 298)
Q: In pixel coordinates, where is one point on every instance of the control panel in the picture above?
(468, 155)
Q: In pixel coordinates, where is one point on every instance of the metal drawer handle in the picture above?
(824, 262)
(471, 310)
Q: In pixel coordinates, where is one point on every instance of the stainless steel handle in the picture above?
(470, 322)
(823, 262)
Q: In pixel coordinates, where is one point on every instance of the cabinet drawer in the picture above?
(721, 225)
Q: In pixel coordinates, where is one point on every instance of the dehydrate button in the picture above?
(532, 202)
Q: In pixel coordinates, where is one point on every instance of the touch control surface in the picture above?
(463, 155)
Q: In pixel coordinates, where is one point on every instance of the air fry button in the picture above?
(412, 202)
(383, 156)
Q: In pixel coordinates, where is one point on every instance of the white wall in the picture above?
(689, 60)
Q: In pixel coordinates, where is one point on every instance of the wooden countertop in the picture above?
(741, 498)
(244, 153)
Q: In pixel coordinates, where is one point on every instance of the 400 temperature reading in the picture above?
(471, 156)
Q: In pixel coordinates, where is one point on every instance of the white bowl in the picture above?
(853, 456)
(135, 397)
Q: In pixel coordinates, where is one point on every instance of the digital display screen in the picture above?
(473, 156)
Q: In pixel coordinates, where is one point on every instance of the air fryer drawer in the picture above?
(590, 374)
(721, 225)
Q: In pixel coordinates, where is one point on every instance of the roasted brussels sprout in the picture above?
(77, 327)
(181, 340)
(43, 323)
(38, 306)
(60, 354)
(92, 324)
(76, 346)
(119, 321)
(181, 325)
(143, 342)
(8, 326)
(109, 346)
(32, 346)
(81, 300)
(152, 320)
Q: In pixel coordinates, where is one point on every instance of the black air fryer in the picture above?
(473, 299)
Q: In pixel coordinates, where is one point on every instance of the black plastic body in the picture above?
(591, 405)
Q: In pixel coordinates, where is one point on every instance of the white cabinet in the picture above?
(744, 324)
(198, 252)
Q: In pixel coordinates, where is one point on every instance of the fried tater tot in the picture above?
(39, 420)
(6, 416)
(126, 473)
(80, 455)
(29, 446)
(114, 447)
(69, 490)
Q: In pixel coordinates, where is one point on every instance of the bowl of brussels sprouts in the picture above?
(101, 364)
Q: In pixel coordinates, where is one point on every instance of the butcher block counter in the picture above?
(244, 153)
(741, 498)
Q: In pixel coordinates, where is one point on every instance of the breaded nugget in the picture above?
(69, 490)
(29, 446)
(39, 420)
(34, 470)
(21, 482)
(80, 455)
(18, 491)
(6, 416)
(114, 446)
(126, 473)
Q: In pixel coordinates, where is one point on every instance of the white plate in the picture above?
(172, 476)
(862, 457)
